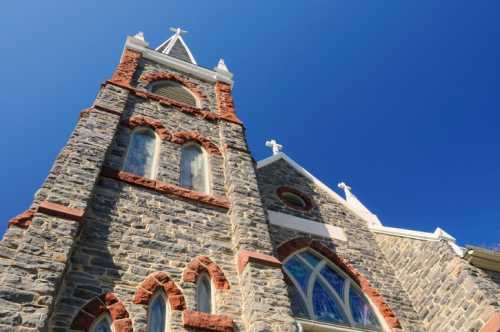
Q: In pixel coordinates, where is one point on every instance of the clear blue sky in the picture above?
(400, 99)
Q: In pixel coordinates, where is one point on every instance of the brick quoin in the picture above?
(205, 264)
(291, 246)
(165, 188)
(156, 281)
(225, 103)
(106, 303)
(207, 322)
(127, 67)
(164, 76)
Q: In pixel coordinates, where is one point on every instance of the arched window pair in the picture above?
(158, 312)
(320, 291)
(142, 154)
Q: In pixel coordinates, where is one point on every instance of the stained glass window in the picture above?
(102, 324)
(322, 292)
(141, 153)
(204, 294)
(157, 314)
(193, 168)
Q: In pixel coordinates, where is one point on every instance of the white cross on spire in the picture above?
(178, 31)
(274, 146)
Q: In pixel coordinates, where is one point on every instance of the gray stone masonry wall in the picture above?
(33, 261)
(52, 269)
(360, 249)
(448, 293)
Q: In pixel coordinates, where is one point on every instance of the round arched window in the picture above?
(294, 198)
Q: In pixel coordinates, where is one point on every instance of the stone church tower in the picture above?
(155, 217)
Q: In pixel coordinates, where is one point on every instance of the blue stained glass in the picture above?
(334, 279)
(299, 271)
(103, 326)
(310, 258)
(325, 306)
(362, 314)
(298, 305)
(157, 315)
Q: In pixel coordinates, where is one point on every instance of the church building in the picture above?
(155, 217)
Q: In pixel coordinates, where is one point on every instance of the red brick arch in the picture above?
(148, 78)
(106, 303)
(291, 246)
(182, 137)
(204, 264)
(160, 280)
(142, 121)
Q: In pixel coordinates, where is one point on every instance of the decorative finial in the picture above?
(274, 146)
(139, 35)
(221, 66)
(345, 187)
(178, 31)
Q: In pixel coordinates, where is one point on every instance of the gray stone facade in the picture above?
(58, 263)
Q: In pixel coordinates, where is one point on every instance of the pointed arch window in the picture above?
(321, 291)
(204, 294)
(141, 153)
(102, 324)
(158, 313)
(194, 168)
(174, 90)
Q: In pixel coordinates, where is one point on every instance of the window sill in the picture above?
(165, 188)
(315, 326)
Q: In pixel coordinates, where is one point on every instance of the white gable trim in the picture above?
(172, 40)
(372, 220)
(208, 75)
(306, 226)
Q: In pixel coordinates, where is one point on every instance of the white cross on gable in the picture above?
(274, 146)
(178, 31)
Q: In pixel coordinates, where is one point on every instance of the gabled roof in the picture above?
(359, 209)
(176, 47)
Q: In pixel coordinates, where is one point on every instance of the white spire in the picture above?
(274, 146)
(221, 66)
(354, 203)
(176, 47)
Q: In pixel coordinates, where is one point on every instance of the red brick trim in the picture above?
(200, 113)
(281, 190)
(61, 211)
(164, 76)
(127, 67)
(225, 103)
(493, 324)
(245, 256)
(182, 137)
(165, 188)
(106, 303)
(22, 220)
(142, 121)
(95, 108)
(205, 264)
(207, 322)
(291, 246)
(160, 280)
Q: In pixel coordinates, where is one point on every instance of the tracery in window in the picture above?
(194, 168)
(157, 316)
(173, 90)
(204, 294)
(102, 324)
(322, 292)
(141, 153)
